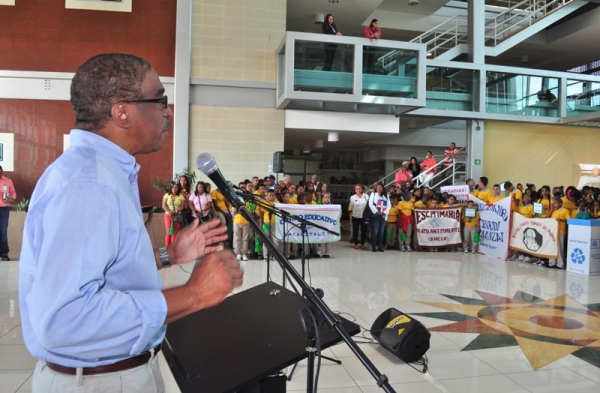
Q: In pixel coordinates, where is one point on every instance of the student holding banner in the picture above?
(380, 206)
(470, 218)
(561, 215)
(484, 193)
(406, 221)
(391, 228)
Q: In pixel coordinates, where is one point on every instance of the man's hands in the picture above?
(197, 240)
(212, 280)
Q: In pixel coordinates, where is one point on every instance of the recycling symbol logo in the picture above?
(576, 290)
(577, 256)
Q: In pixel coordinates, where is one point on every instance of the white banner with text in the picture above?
(327, 216)
(460, 192)
(494, 227)
(438, 227)
(535, 236)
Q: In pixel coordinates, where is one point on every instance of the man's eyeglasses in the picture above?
(164, 100)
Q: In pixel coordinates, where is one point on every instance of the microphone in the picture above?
(206, 164)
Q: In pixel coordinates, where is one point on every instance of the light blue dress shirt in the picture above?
(89, 289)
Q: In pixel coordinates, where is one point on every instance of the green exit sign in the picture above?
(477, 161)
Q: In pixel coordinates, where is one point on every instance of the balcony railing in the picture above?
(339, 69)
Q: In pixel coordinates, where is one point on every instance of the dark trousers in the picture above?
(329, 55)
(369, 66)
(4, 230)
(378, 231)
(356, 223)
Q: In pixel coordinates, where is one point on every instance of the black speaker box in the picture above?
(401, 334)
(278, 162)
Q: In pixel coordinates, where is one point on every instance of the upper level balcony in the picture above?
(350, 74)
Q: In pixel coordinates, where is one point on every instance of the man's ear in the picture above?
(120, 115)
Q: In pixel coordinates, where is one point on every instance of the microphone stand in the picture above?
(318, 305)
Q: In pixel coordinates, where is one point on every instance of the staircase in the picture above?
(519, 21)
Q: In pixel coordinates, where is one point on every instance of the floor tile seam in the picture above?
(586, 377)
(13, 328)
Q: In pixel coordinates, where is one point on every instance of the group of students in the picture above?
(262, 195)
(391, 216)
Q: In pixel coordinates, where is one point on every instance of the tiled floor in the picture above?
(364, 284)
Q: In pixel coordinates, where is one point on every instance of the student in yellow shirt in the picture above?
(325, 247)
(546, 201)
(484, 193)
(516, 195)
(571, 200)
(406, 221)
(561, 215)
(526, 210)
(471, 225)
(222, 207)
(496, 196)
(268, 221)
(241, 232)
(472, 189)
(293, 195)
(391, 228)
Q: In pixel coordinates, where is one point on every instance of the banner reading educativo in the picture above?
(494, 227)
(327, 216)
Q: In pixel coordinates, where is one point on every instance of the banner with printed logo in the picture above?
(460, 192)
(438, 227)
(534, 236)
(494, 227)
(327, 216)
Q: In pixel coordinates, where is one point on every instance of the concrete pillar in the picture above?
(181, 120)
(476, 36)
(475, 132)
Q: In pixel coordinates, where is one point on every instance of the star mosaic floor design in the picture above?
(546, 330)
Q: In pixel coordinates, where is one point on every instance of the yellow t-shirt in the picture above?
(569, 205)
(485, 195)
(494, 199)
(519, 197)
(393, 214)
(563, 214)
(471, 222)
(219, 200)
(574, 213)
(526, 210)
(265, 213)
(406, 208)
(173, 201)
(475, 193)
(419, 205)
(546, 207)
(238, 219)
(294, 199)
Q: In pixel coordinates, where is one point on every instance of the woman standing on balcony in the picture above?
(329, 28)
(429, 168)
(372, 32)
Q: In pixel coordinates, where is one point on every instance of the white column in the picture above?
(476, 35)
(475, 131)
(181, 121)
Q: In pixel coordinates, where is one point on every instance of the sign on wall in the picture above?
(7, 2)
(117, 6)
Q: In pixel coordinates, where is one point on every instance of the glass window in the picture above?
(323, 67)
(526, 95)
(452, 89)
(389, 72)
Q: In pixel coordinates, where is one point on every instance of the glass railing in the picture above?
(389, 72)
(323, 67)
(583, 97)
(517, 94)
(452, 89)
(373, 73)
(354, 74)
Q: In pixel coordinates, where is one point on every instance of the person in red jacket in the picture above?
(372, 32)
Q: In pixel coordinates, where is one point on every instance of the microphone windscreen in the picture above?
(206, 163)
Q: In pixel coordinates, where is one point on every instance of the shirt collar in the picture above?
(122, 158)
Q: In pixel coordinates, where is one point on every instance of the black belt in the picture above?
(121, 365)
